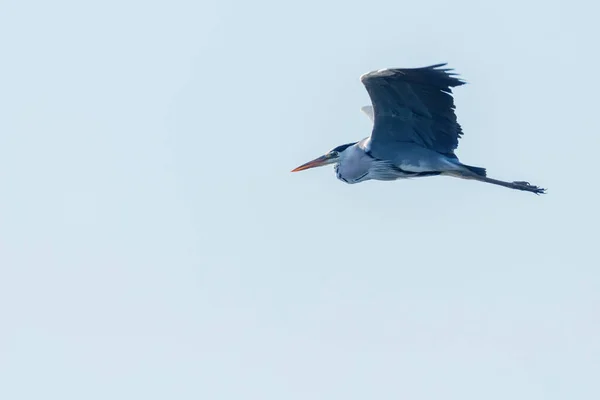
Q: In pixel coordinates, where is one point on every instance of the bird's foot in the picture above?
(528, 187)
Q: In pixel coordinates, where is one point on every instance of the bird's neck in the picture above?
(353, 165)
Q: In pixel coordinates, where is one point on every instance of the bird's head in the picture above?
(331, 157)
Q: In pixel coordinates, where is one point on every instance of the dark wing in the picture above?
(413, 105)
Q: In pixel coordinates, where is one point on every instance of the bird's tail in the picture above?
(476, 170)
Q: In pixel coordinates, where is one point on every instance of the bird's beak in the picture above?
(317, 162)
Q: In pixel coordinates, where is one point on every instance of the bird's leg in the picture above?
(518, 185)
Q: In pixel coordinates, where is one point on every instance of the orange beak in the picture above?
(317, 162)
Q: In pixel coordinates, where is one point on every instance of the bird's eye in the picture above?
(333, 154)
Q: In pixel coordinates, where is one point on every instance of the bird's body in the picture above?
(415, 131)
(357, 164)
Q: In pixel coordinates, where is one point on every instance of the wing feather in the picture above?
(413, 105)
(368, 110)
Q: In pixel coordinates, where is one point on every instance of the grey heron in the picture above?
(415, 131)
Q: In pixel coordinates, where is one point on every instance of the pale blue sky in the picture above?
(154, 245)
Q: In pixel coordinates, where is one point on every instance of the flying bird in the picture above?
(415, 131)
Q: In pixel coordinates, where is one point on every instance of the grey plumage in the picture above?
(415, 131)
(413, 106)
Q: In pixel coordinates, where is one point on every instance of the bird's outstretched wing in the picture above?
(413, 105)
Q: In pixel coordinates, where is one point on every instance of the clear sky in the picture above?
(154, 244)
